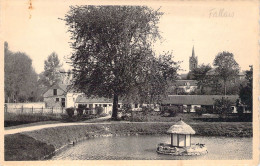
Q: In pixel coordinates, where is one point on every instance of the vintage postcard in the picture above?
(129, 82)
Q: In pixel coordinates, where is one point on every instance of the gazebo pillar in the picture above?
(181, 134)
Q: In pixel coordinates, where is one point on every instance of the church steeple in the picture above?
(193, 53)
(193, 60)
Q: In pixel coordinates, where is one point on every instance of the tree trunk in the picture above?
(115, 107)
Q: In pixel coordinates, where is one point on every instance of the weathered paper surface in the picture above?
(211, 26)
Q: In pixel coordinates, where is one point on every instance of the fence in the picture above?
(32, 110)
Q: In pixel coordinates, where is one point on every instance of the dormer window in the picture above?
(54, 92)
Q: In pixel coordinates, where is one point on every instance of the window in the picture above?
(54, 92)
(96, 105)
(104, 105)
(118, 105)
(63, 102)
(57, 99)
(136, 105)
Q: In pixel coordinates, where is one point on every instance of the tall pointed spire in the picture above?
(193, 60)
(193, 53)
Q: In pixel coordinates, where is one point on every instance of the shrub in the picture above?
(199, 111)
(172, 110)
(223, 106)
(188, 109)
(126, 108)
(99, 110)
(70, 111)
(80, 111)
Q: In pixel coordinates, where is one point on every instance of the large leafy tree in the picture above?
(201, 75)
(20, 78)
(245, 93)
(52, 71)
(113, 54)
(226, 67)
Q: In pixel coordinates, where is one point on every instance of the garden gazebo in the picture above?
(180, 134)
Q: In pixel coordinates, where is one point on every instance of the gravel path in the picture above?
(39, 127)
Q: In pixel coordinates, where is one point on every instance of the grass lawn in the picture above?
(12, 121)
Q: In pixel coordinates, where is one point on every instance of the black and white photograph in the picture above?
(153, 81)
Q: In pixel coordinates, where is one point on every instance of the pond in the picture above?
(144, 148)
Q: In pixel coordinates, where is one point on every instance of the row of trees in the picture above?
(222, 79)
(22, 83)
(224, 76)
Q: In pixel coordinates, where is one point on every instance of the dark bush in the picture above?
(126, 108)
(80, 111)
(223, 107)
(199, 111)
(172, 110)
(188, 109)
(70, 111)
(99, 110)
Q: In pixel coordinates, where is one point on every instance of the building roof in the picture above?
(196, 99)
(63, 87)
(56, 86)
(84, 99)
(180, 127)
(185, 83)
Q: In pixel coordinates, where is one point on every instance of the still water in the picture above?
(144, 148)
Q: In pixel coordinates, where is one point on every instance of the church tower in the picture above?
(193, 60)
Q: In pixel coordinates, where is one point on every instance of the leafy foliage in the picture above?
(245, 93)
(200, 74)
(51, 74)
(20, 78)
(223, 106)
(226, 67)
(199, 110)
(113, 55)
(99, 110)
(70, 111)
(80, 111)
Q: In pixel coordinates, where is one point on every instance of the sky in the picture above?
(33, 27)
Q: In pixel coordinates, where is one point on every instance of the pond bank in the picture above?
(50, 140)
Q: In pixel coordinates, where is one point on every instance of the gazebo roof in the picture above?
(180, 127)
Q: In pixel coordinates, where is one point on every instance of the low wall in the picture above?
(33, 110)
(26, 105)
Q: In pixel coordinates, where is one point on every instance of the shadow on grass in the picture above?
(19, 147)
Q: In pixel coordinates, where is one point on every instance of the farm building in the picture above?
(183, 86)
(192, 101)
(55, 96)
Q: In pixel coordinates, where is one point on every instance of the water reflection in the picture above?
(144, 148)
